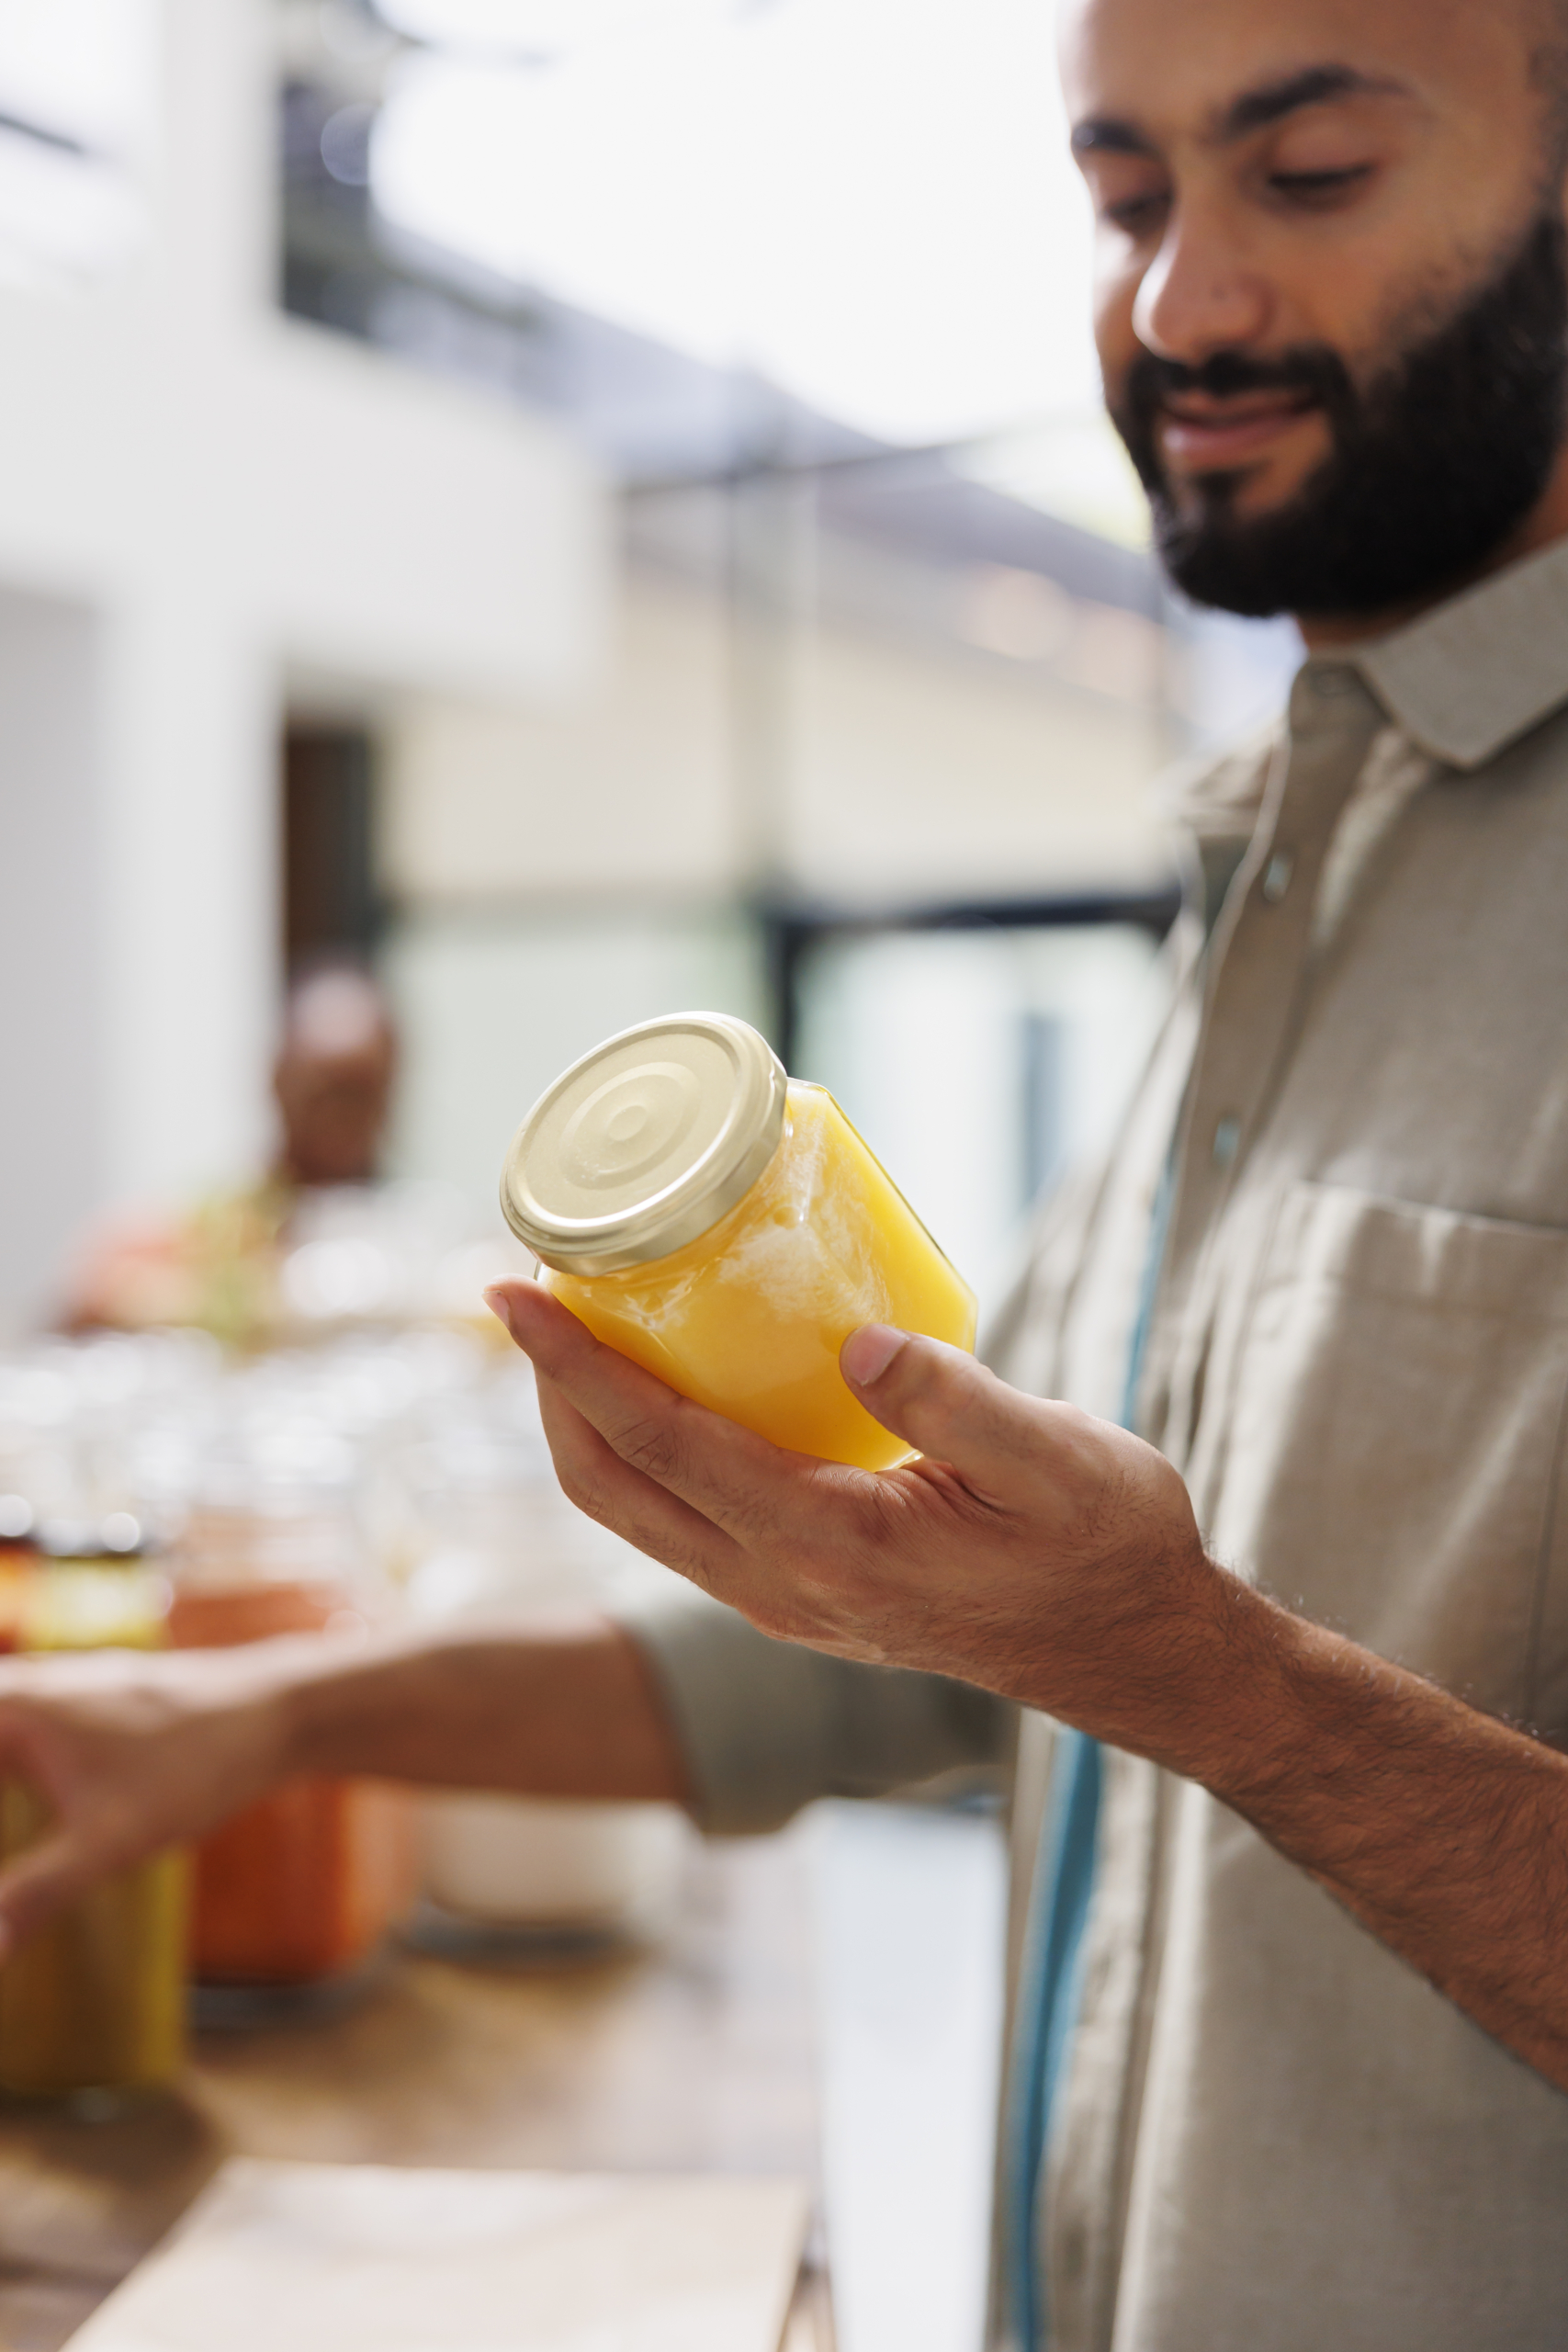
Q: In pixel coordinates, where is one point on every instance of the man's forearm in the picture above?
(1445, 1831)
(567, 1711)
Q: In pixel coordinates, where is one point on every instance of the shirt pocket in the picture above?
(1397, 1427)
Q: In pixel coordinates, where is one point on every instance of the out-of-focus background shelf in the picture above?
(698, 2055)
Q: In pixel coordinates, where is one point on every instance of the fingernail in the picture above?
(866, 1353)
(500, 1307)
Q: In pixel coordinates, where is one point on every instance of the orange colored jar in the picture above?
(303, 1885)
(18, 1557)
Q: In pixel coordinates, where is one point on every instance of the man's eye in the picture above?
(1319, 188)
(1136, 214)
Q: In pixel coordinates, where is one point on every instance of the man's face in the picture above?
(1330, 295)
(334, 1110)
(333, 1078)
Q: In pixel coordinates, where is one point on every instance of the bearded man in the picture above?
(1290, 2027)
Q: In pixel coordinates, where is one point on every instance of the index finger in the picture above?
(753, 1491)
(594, 1478)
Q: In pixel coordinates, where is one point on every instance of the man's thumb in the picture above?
(937, 1397)
(866, 1353)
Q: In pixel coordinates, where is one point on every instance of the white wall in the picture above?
(625, 787)
(53, 1043)
(234, 495)
(920, 776)
(902, 774)
(492, 1010)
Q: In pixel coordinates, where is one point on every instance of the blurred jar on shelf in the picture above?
(303, 1886)
(18, 1558)
(94, 2007)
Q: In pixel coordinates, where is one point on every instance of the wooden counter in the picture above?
(697, 2056)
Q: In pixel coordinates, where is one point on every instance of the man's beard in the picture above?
(1431, 467)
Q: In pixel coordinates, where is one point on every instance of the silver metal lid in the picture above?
(645, 1143)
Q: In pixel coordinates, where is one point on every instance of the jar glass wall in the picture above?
(748, 1319)
(95, 2002)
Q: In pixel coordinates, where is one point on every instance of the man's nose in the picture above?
(1200, 294)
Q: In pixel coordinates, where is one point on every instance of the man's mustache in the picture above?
(1309, 369)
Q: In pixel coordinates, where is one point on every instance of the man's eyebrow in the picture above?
(1313, 86)
(1104, 135)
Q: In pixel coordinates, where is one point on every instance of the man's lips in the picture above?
(1198, 436)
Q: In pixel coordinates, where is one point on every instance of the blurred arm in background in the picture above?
(682, 1703)
(134, 1753)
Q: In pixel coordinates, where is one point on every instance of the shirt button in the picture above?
(1276, 876)
(1227, 1135)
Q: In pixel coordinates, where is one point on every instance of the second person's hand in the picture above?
(131, 1753)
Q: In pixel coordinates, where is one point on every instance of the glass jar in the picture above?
(95, 2003)
(18, 1554)
(303, 1885)
(506, 1548)
(725, 1227)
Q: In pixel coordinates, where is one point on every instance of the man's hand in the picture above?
(1055, 1559)
(1032, 1549)
(131, 1753)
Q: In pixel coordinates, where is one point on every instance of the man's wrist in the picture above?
(297, 1691)
(1294, 1718)
(1228, 1711)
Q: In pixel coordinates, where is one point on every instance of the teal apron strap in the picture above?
(1064, 1883)
(1047, 2010)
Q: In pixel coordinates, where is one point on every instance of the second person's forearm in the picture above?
(567, 1710)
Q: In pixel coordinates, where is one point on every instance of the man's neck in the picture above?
(1547, 521)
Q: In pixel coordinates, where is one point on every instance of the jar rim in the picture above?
(644, 1144)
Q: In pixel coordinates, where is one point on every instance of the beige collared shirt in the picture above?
(1276, 2137)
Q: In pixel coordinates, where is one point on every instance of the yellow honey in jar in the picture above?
(94, 2002)
(728, 1228)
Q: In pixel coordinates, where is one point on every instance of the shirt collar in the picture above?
(1467, 679)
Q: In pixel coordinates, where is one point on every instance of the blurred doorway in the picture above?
(331, 907)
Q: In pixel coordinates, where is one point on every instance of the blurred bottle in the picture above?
(18, 1556)
(304, 1885)
(95, 2003)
